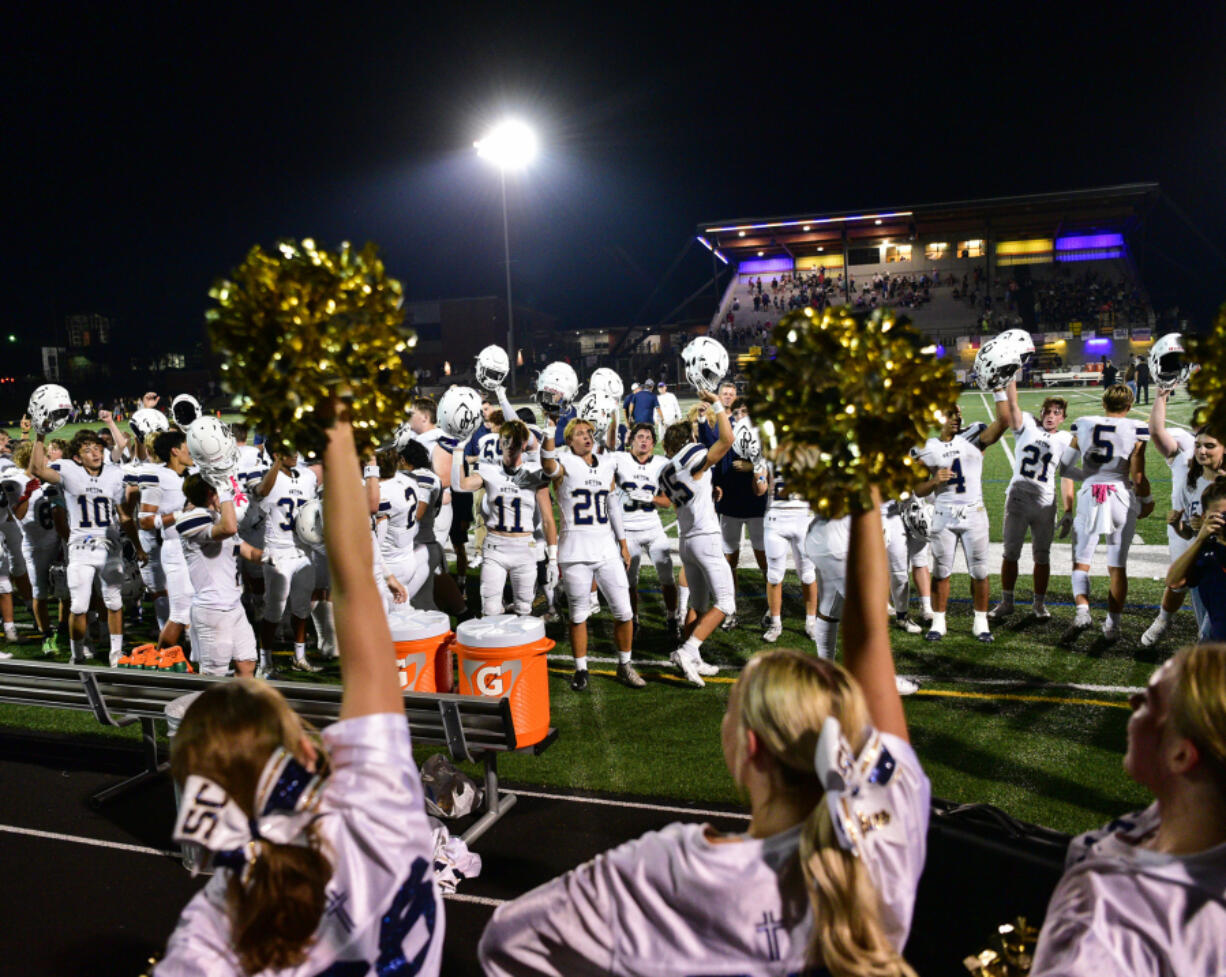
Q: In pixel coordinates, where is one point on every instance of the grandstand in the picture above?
(1064, 266)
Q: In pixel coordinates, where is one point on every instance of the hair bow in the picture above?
(855, 786)
(286, 799)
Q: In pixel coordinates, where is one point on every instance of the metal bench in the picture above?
(474, 729)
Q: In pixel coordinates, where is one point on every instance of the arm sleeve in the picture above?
(615, 518)
(560, 929)
(194, 523)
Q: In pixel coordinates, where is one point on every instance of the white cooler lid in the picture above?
(500, 631)
(415, 625)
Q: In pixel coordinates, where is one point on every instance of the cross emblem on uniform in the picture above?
(770, 928)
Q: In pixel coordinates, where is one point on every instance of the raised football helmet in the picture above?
(402, 436)
(1168, 364)
(183, 410)
(459, 412)
(556, 386)
(213, 448)
(745, 440)
(492, 367)
(598, 408)
(1001, 357)
(49, 408)
(706, 363)
(147, 420)
(608, 381)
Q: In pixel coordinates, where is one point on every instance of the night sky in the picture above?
(147, 150)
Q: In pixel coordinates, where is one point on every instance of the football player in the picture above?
(161, 497)
(208, 532)
(1030, 499)
(398, 521)
(39, 511)
(955, 459)
(423, 420)
(686, 481)
(787, 521)
(592, 533)
(1111, 450)
(92, 491)
(513, 499)
(288, 576)
(637, 475)
(441, 590)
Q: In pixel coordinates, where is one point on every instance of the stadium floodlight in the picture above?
(510, 145)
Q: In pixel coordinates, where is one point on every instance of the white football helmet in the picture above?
(147, 420)
(1001, 357)
(49, 408)
(309, 524)
(706, 363)
(492, 367)
(212, 446)
(459, 412)
(745, 440)
(402, 436)
(917, 515)
(184, 409)
(556, 386)
(598, 408)
(608, 381)
(1167, 363)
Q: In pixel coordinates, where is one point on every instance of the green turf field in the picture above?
(1021, 723)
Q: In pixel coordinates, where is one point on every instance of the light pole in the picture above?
(510, 145)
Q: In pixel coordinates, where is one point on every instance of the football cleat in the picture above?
(1154, 632)
(905, 686)
(1041, 613)
(269, 674)
(578, 681)
(772, 633)
(302, 665)
(908, 625)
(688, 668)
(934, 636)
(729, 623)
(5, 655)
(811, 628)
(987, 637)
(1073, 631)
(705, 668)
(628, 675)
(1000, 612)
(51, 645)
(1111, 632)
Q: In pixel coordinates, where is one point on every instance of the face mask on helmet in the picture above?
(492, 367)
(49, 408)
(556, 387)
(706, 363)
(185, 409)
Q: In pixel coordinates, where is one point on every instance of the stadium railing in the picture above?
(474, 729)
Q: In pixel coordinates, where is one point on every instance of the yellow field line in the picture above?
(939, 693)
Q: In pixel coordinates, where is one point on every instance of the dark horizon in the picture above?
(150, 151)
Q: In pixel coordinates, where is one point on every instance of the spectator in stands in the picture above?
(287, 815)
(1144, 894)
(831, 900)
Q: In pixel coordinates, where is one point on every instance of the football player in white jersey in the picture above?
(208, 533)
(513, 498)
(1177, 446)
(1030, 499)
(637, 475)
(252, 464)
(441, 591)
(588, 546)
(422, 420)
(398, 520)
(92, 493)
(794, 894)
(41, 543)
(1143, 895)
(160, 500)
(1112, 457)
(787, 521)
(955, 463)
(354, 837)
(288, 576)
(686, 481)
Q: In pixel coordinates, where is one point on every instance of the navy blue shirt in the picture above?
(737, 497)
(1208, 576)
(643, 406)
(471, 450)
(565, 418)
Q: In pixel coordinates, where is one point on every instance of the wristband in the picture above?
(1146, 499)
(999, 396)
(549, 455)
(370, 471)
(716, 408)
(551, 552)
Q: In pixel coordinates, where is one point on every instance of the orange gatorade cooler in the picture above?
(423, 649)
(504, 656)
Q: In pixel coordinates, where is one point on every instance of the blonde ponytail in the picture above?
(785, 697)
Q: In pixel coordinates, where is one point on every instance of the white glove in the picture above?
(552, 576)
(221, 484)
(1066, 524)
(642, 495)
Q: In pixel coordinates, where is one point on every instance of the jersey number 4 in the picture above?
(956, 478)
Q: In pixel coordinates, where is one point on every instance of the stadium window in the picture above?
(971, 249)
(936, 250)
(864, 256)
(898, 252)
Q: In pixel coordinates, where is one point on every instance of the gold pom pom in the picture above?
(843, 402)
(295, 325)
(1208, 383)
